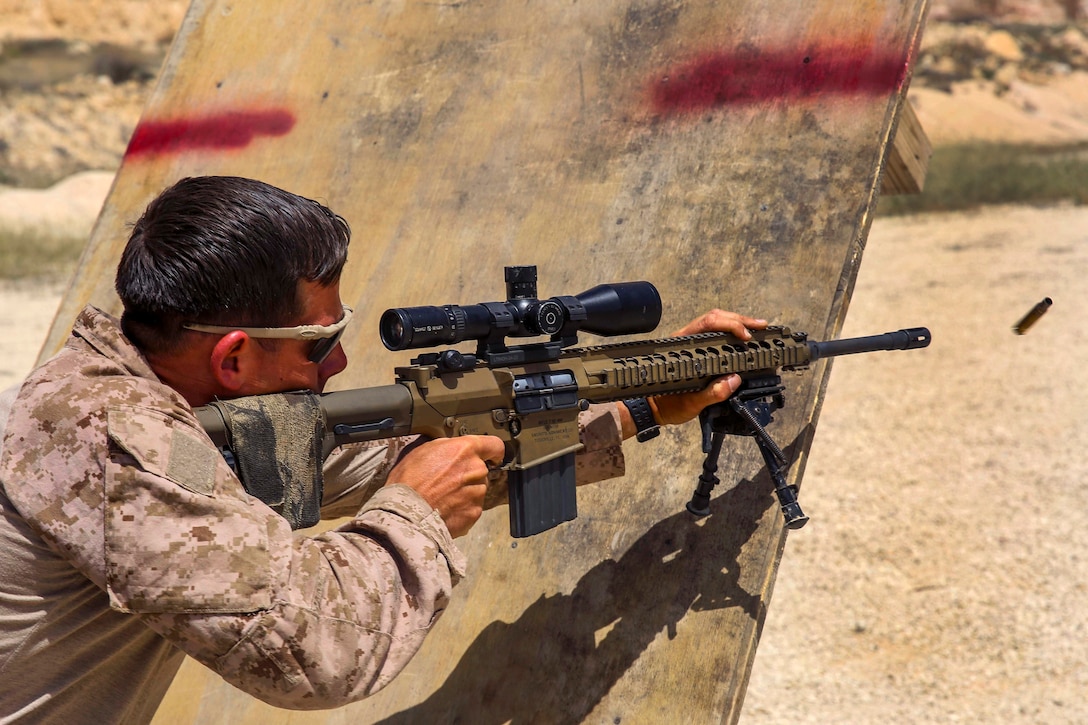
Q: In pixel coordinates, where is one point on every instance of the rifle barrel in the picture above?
(908, 339)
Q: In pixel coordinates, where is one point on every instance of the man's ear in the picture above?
(233, 360)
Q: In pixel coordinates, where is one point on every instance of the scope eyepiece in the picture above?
(624, 308)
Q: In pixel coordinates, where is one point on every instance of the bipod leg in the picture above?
(787, 495)
(708, 479)
(776, 464)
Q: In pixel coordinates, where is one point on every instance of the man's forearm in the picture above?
(350, 609)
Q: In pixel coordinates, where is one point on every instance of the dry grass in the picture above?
(36, 255)
(969, 176)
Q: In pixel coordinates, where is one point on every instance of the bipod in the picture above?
(747, 412)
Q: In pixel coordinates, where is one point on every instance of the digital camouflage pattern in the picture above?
(126, 540)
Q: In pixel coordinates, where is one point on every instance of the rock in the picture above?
(1007, 74)
(65, 210)
(125, 22)
(1002, 44)
(79, 125)
(1022, 11)
(1073, 39)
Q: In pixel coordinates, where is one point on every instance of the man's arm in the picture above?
(318, 622)
(678, 409)
(372, 588)
(355, 472)
(130, 491)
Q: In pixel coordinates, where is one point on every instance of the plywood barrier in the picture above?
(730, 152)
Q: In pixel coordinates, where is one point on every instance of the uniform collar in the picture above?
(102, 331)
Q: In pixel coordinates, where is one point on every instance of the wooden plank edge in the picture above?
(908, 160)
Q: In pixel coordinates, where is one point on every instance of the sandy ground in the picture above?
(28, 311)
(942, 576)
(1055, 113)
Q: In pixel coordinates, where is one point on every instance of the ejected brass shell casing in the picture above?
(1032, 317)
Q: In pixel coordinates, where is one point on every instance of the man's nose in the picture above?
(334, 364)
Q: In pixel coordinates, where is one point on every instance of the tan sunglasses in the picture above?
(327, 336)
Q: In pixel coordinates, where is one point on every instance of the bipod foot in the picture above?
(787, 494)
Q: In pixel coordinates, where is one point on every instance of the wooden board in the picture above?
(728, 151)
(908, 160)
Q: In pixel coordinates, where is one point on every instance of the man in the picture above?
(126, 539)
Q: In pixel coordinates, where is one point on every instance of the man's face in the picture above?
(285, 365)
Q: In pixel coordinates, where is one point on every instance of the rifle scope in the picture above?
(624, 308)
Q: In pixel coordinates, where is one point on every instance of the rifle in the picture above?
(530, 395)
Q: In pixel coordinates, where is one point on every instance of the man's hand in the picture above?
(676, 409)
(451, 475)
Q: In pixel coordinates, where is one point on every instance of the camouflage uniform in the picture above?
(125, 540)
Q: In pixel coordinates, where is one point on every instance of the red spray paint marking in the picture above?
(229, 130)
(754, 76)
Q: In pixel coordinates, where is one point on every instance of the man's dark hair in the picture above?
(224, 250)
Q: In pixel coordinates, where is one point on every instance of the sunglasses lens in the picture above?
(323, 347)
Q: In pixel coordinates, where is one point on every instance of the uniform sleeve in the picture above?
(355, 472)
(299, 622)
(602, 455)
(7, 397)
